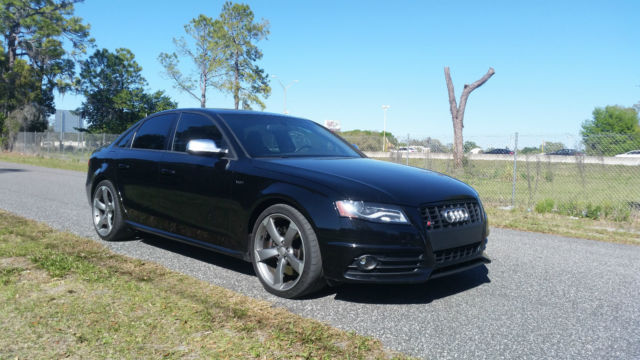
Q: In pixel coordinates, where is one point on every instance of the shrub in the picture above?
(570, 208)
(544, 206)
(593, 211)
(618, 212)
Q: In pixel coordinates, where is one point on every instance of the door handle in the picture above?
(167, 172)
(123, 166)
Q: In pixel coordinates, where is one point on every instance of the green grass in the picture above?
(591, 201)
(66, 296)
(581, 186)
(580, 227)
(67, 162)
(594, 184)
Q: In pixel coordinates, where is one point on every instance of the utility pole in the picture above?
(284, 89)
(384, 131)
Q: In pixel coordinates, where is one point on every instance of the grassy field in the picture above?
(67, 162)
(591, 190)
(598, 208)
(598, 202)
(65, 296)
(627, 232)
(536, 181)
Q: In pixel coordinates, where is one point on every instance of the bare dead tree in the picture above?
(457, 112)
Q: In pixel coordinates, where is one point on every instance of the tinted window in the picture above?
(154, 132)
(195, 126)
(280, 136)
(125, 139)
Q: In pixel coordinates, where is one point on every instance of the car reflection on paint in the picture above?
(566, 152)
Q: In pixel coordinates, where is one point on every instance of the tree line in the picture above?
(45, 50)
(612, 130)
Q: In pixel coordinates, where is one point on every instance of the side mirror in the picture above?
(205, 147)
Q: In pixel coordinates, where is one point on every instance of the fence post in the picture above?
(515, 165)
(408, 140)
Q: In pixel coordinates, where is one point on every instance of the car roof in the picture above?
(214, 111)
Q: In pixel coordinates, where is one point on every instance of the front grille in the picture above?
(396, 264)
(434, 220)
(459, 253)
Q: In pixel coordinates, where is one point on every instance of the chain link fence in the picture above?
(582, 177)
(56, 144)
(596, 177)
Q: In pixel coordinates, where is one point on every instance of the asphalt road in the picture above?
(543, 297)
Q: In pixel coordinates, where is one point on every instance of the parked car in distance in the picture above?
(566, 152)
(632, 153)
(407, 149)
(499, 152)
(301, 204)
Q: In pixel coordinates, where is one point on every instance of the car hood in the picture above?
(371, 180)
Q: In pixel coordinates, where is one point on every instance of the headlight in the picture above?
(372, 212)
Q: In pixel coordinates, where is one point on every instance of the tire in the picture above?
(107, 213)
(285, 253)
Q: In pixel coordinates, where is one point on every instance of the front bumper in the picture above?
(404, 254)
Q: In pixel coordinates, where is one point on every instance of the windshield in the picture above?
(280, 136)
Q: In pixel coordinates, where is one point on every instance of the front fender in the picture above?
(317, 207)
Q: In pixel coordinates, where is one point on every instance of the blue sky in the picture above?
(554, 60)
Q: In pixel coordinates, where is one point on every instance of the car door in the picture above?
(198, 187)
(137, 170)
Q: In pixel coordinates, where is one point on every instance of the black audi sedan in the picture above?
(304, 206)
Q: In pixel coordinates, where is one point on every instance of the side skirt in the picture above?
(187, 240)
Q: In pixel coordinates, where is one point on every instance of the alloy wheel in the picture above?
(279, 252)
(103, 210)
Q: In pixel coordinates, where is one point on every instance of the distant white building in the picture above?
(66, 121)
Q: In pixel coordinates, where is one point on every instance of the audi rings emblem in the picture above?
(456, 215)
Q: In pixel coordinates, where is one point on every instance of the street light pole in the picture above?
(284, 89)
(384, 132)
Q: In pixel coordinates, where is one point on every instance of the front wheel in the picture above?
(285, 252)
(107, 213)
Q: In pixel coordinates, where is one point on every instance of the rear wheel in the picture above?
(285, 252)
(107, 213)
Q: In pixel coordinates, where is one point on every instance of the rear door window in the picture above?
(154, 133)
